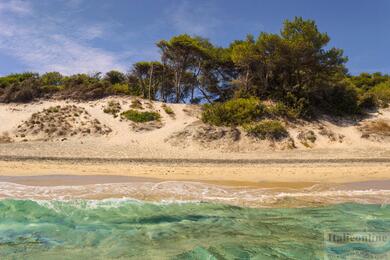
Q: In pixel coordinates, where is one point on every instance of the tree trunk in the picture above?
(150, 82)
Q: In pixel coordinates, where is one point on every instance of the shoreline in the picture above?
(184, 161)
(265, 195)
(290, 172)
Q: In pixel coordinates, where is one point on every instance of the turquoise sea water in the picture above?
(125, 229)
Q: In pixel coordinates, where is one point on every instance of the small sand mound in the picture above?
(5, 138)
(332, 136)
(60, 122)
(193, 111)
(307, 138)
(207, 136)
(146, 126)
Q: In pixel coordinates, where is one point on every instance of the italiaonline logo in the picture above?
(357, 245)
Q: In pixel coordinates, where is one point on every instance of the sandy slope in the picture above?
(124, 142)
(237, 174)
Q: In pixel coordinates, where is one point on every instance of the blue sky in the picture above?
(73, 36)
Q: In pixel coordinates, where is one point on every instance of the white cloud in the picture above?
(60, 53)
(195, 19)
(91, 32)
(44, 44)
(16, 7)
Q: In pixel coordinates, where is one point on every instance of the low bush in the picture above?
(233, 112)
(267, 129)
(140, 117)
(368, 101)
(120, 89)
(339, 100)
(279, 109)
(112, 108)
(51, 89)
(382, 93)
(168, 110)
(21, 92)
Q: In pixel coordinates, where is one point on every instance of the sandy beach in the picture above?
(256, 174)
(182, 149)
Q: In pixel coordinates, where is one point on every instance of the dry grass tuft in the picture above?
(136, 104)
(5, 138)
(60, 122)
(113, 108)
(378, 127)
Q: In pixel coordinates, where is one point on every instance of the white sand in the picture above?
(124, 142)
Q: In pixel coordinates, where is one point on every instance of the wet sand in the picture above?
(277, 194)
(71, 180)
(233, 174)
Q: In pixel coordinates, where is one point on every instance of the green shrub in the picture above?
(140, 117)
(21, 92)
(168, 110)
(120, 89)
(52, 88)
(233, 112)
(341, 99)
(279, 109)
(267, 129)
(382, 93)
(113, 108)
(368, 101)
(17, 78)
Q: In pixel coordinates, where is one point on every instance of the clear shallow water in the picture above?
(123, 229)
(194, 191)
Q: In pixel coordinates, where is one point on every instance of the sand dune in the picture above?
(180, 147)
(182, 136)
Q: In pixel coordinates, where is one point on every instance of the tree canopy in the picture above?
(294, 67)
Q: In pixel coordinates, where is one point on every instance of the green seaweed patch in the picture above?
(140, 117)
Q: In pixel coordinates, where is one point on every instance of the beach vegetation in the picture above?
(378, 127)
(136, 104)
(267, 129)
(115, 77)
(141, 117)
(381, 93)
(168, 110)
(233, 112)
(112, 108)
(295, 71)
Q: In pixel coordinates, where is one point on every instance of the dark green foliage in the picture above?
(141, 117)
(23, 92)
(381, 93)
(233, 112)
(290, 67)
(115, 77)
(294, 68)
(368, 101)
(52, 79)
(340, 99)
(120, 89)
(267, 129)
(279, 109)
(16, 78)
(85, 87)
(367, 81)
